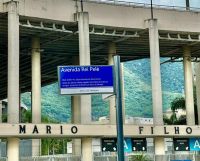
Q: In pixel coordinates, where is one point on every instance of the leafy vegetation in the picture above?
(99, 108)
(177, 104)
(137, 84)
(139, 157)
(53, 146)
(49, 146)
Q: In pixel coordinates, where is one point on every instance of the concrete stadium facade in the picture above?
(39, 35)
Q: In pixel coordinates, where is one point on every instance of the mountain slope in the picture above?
(137, 86)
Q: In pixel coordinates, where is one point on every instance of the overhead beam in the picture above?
(179, 37)
(95, 31)
(78, 131)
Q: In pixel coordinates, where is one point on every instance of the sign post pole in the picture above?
(119, 115)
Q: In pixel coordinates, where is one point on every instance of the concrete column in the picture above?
(84, 59)
(36, 81)
(111, 53)
(76, 147)
(85, 100)
(84, 40)
(159, 144)
(76, 119)
(36, 91)
(76, 115)
(189, 98)
(197, 71)
(87, 149)
(13, 149)
(1, 106)
(156, 84)
(13, 77)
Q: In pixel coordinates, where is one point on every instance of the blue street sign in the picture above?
(194, 144)
(127, 145)
(85, 79)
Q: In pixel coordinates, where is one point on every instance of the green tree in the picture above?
(176, 104)
(26, 116)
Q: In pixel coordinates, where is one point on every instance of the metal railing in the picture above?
(3, 159)
(150, 157)
(130, 157)
(52, 158)
(145, 5)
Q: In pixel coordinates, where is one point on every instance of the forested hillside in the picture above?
(137, 85)
(137, 80)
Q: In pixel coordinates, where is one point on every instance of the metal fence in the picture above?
(3, 159)
(146, 4)
(149, 157)
(192, 157)
(130, 157)
(52, 158)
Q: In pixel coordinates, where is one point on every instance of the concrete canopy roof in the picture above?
(59, 46)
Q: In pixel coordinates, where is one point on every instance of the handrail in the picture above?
(144, 5)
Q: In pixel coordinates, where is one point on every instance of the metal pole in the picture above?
(151, 9)
(187, 4)
(81, 5)
(119, 114)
